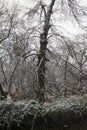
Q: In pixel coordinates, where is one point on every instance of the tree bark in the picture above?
(42, 54)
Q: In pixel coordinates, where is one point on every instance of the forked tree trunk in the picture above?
(42, 54)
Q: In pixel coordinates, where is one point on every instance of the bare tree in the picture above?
(28, 41)
(48, 31)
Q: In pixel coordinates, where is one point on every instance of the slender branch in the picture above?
(3, 72)
(9, 31)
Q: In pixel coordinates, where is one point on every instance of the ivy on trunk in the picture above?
(42, 53)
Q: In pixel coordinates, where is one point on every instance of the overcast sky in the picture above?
(68, 26)
(31, 2)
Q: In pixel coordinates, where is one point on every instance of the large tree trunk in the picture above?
(42, 54)
(41, 69)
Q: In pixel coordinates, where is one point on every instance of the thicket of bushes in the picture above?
(65, 114)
